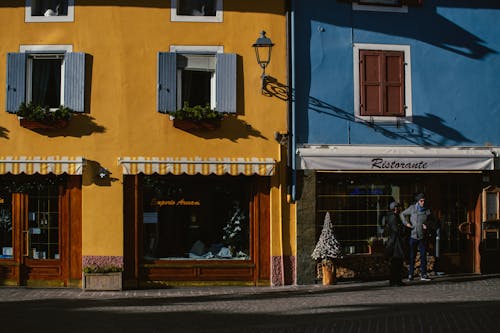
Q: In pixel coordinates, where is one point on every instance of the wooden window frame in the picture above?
(358, 112)
(29, 18)
(218, 18)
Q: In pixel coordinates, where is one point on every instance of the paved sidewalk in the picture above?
(466, 303)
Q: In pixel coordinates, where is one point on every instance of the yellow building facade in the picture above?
(119, 185)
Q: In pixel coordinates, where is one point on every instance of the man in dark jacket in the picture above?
(395, 244)
(419, 217)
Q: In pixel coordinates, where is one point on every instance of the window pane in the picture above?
(49, 7)
(5, 225)
(46, 82)
(196, 87)
(195, 218)
(196, 7)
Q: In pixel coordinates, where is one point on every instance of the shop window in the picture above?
(6, 225)
(382, 88)
(358, 205)
(196, 10)
(49, 11)
(196, 218)
(193, 76)
(47, 76)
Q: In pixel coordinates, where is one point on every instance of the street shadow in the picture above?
(322, 310)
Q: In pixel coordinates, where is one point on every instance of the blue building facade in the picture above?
(390, 99)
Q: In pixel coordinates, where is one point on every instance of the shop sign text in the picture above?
(380, 163)
(181, 202)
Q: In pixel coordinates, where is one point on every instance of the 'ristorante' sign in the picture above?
(380, 163)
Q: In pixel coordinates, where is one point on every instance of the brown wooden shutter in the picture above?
(381, 83)
(370, 65)
(394, 84)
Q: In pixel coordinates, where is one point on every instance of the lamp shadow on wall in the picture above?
(273, 88)
(95, 174)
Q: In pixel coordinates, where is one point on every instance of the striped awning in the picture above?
(197, 165)
(42, 165)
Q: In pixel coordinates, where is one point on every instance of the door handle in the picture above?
(26, 243)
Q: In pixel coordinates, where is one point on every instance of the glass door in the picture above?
(43, 225)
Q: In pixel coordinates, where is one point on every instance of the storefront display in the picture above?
(201, 218)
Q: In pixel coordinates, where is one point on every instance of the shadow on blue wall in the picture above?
(422, 131)
(423, 24)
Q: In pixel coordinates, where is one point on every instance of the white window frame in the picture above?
(56, 49)
(186, 18)
(380, 8)
(67, 18)
(407, 73)
(213, 81)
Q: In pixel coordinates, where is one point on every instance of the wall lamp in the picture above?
(103, 173)
(263, 47)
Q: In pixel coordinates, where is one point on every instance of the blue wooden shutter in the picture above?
(74, 81)
(167, 82)
(226, 83)
(16, 81)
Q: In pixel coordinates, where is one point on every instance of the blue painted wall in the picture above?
(455, 59)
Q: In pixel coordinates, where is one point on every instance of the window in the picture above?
(197, 76)
(49, 11)
(196, 11)
(47, 76)
(358, 203)
(382, 90)
(196, 217)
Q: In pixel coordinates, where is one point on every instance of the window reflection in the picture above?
(196, 217)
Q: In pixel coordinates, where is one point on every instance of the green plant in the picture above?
(34, 112)
(102, 269)
(196, 112)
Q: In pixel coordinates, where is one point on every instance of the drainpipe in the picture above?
(291, 102)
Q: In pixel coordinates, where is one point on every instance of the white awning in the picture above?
(197, 165)
(395, 158)
(41, 164)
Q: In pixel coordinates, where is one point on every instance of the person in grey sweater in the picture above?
(417, 217)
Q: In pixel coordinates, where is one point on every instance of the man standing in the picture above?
(419, 217)
(394, 249)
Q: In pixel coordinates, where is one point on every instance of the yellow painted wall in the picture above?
(123, 39)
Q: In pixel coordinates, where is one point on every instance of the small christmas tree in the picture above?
(327, 249)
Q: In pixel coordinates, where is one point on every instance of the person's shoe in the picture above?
(424, 278)
(410, 277)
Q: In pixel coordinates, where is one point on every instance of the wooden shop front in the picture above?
(40, 222)
(197, 227)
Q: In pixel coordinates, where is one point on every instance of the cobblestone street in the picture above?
(446, 304)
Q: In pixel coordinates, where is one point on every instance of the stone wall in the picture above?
(306, 228)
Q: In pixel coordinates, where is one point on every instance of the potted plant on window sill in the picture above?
(33, 116)
(104, 278)
(196, 118)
